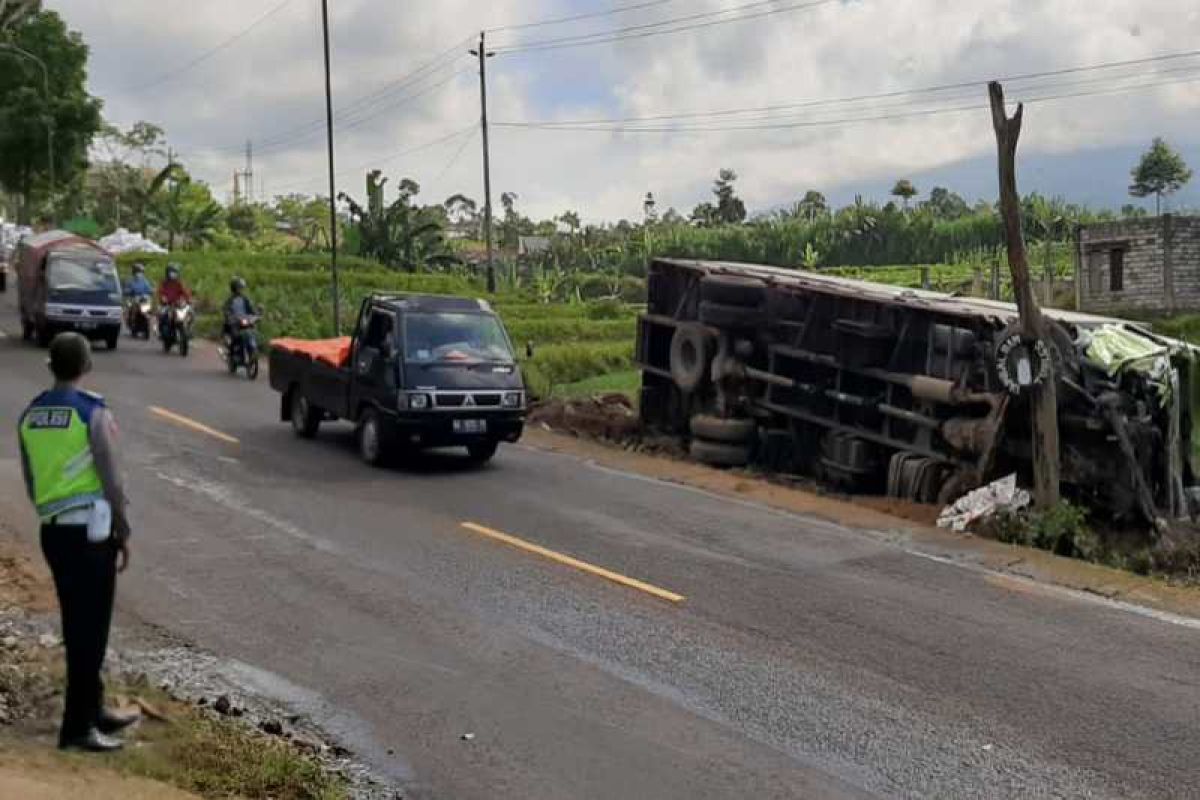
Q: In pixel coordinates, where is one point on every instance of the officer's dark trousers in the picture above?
(85, 576)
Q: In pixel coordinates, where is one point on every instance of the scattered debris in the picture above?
(468, 737)
(1000, 495)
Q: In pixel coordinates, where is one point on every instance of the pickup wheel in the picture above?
(482, 452)
(689, 357)
(372, 439)
(306, 420)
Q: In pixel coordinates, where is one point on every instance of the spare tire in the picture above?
(719, 429)
(719, 454)
(720, 315)
(689, 357)
(733, 290)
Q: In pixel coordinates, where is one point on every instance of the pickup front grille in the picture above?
(459, 399)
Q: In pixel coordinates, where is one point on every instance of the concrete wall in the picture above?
(1161, 265)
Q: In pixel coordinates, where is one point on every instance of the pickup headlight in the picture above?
(413, 402)
(513, 399)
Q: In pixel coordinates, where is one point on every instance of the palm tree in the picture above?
(905, 190)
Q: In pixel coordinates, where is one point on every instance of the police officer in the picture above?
(69, 459)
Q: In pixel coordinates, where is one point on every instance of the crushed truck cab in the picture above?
(420, 371)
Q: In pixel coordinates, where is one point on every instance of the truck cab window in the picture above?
(379, 330)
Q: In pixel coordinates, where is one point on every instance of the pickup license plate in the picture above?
(470, 426)
(87, 326)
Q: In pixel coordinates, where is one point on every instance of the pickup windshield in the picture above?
(440, 338)
(82, 279)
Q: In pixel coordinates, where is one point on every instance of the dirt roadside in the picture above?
(904, 524)
(187, 745)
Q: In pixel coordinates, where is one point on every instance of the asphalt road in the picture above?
(807, 660)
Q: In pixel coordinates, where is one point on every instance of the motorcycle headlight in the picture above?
(513, 399)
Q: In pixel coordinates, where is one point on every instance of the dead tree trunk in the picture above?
(1033, 328)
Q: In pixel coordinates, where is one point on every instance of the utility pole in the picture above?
(337, 316)
(1044, 398)
(484, 55)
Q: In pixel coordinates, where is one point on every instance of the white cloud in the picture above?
(271, 82)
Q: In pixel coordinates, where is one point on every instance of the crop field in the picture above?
(572, 342)
(579, 347)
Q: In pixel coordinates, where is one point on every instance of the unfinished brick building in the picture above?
(1139, 265)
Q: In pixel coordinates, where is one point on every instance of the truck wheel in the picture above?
(372, 439)
(720, 315)
(482, 452)
(306, 420)
(718, 454)
(733, 290)
(689, 357)
(724, 431)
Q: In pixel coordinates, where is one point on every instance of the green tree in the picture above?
(242, 219)
(463, 213)
(186, 210)
(41, 112)
(905, 190)
(811, 206)
(305, 217)
(1161, 171)
(945, 204)
(115, 189)
(729, 209)
(401, 234)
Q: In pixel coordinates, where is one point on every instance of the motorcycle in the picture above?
(242, 346)
(137, 316)
(175, 327)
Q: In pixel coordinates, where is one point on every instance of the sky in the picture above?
(818, 86)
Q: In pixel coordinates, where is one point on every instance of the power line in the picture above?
(580, 17)
(808, 104)
(207, 54)
(457, 155)
(675, 25)
(858, 119)
(377, 160)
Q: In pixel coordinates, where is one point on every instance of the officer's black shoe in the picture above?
(112, 721)
(92, 742)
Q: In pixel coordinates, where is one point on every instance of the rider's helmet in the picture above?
(237, 285)
(139, 269)
(172, 272)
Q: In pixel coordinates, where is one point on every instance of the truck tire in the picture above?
(719, 454)
(720, 315)
(306, 420)
(689, 357)
(373, 444)
(733, 290)
(721, 430)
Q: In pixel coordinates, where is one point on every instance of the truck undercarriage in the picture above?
(915, 394)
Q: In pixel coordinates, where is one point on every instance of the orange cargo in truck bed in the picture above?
(334, 352)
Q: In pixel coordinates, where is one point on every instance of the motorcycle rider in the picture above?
(170, 292)
(237, 306)
(139, 285)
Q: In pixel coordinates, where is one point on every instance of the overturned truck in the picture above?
(914, 394)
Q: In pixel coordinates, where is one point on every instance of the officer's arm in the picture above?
(27, 474)
(103, 430)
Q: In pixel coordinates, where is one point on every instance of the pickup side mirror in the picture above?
(529, 349)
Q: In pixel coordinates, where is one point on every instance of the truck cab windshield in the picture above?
(82, 279)
(455, 338)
